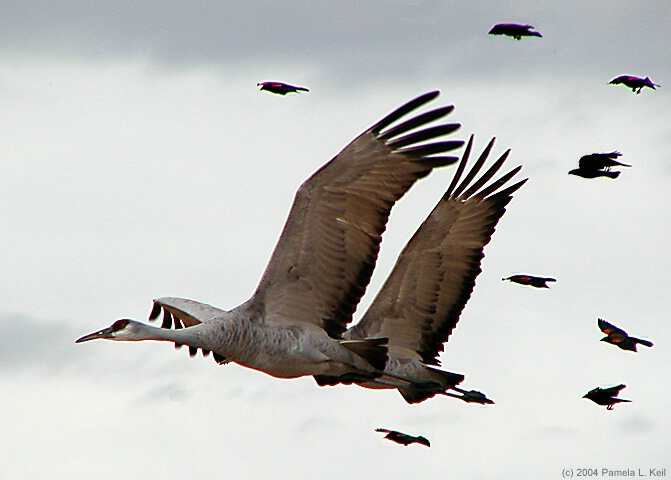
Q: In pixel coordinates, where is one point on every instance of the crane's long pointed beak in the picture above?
(104, 333)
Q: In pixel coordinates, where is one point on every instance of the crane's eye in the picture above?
(119, 325)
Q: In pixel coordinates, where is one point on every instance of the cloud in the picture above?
(32, 343)
(637, 424)
(353, 41)
(172, 391)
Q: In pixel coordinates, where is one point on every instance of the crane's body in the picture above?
(296, 322)
(293, 324)
(283, 351)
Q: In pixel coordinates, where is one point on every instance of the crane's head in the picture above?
(123, 330)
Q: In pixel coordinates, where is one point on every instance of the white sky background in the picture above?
(138, 160)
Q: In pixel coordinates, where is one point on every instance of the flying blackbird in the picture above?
(606, 396)
(403, 438)
(474, 396)
(280, 88)
(600, 161)
(635, 83)
(514, 30)
(538, 282)
(593, 173)
(619, 337)
(598, 165)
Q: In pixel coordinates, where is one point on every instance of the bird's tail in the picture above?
(645, 343)
(650, 84)
(437, 381)
(373, 350)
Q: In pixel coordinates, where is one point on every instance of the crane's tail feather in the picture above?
(373, 350)
(438, 382)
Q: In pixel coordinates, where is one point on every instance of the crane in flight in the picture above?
(402, 333)
(421, 301)
(323, 261)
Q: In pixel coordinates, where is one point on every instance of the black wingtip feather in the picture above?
(425, 134)
(491, 171)
(418, 121)
(475, 169)
(432, 148)
(167, 319)
(403, 110)
(155, 311)
(460, 169)
(220, 359)
(499, 183)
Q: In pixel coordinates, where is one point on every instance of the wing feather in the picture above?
(608, 328)
(422, 300)
(327, 250)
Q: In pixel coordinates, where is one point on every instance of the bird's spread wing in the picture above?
(421, 301)
(326, 253)
(590, 162)
(183, 313)
(609, 328)
(613, 391)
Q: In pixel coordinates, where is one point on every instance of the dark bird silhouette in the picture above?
(606, 396)
(474, 396)
(635, 83)
(538, 282)
(600, 161)
(514, 30)
(579, 172)
(280, 88)
(619, 337)
(403, 438)
(598, 165)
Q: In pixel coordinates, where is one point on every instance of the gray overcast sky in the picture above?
(138, 160)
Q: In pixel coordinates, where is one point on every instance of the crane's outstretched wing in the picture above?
(183, 313)
(420, 303)
(327, 251)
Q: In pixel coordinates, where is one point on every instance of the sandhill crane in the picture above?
(280, 88)
(422, 299)
(293, 324)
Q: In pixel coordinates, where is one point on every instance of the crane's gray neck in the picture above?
(199, 336)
